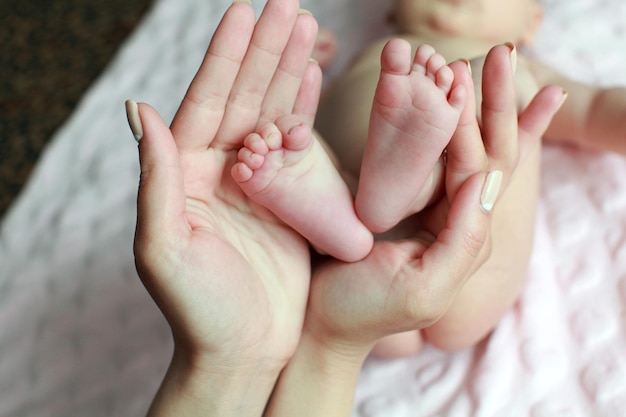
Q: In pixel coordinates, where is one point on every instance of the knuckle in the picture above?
(423, 308)
(473, 243)
(424, 313)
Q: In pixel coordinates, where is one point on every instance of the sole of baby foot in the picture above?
(285, 169)
(415, 112)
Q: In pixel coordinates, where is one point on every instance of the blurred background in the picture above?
(51, 51)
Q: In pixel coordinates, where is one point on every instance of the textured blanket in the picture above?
(79, 335)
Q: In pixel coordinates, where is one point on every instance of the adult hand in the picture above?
(230, 278)
(409, 284)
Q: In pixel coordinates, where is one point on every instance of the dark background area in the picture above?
(51, 52)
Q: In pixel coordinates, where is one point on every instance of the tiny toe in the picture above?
(241, 172)
(256, 144)
(419, 69)
(296, 134)
(249, 158)
(444, 79)
(422, 55)
(298, 137)
(287, 122)
(434, 65)
(396, 57)
(271, 136)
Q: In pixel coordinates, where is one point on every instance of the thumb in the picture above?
(453, 256)
(160, 199)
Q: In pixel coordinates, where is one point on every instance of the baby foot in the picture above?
(285, 169)
(416, 110)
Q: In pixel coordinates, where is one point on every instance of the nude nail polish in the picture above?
(134, 121)
(565, 94)
(491, 190)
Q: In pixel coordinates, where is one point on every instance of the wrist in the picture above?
(334, 347)
(320, 379)
(206, 385)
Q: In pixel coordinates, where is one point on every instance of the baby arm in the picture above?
(591, 117)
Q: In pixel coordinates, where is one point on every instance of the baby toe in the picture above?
(271, 136)
(444, 79)
(256, 144)
(422, 56)
(287, 122)
(250, 159)
(435, 64)
(241, 172)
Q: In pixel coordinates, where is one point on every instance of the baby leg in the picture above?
(415, 112)
(511, 147)
(466, 155)
(285, 168)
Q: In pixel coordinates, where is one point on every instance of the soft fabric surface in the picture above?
(80, 336)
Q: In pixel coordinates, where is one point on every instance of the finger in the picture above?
(202, 110)
(446, 264)
(285, 85)
(465, 152)
(499, 109)
(161, 198)
(535, 119)
(308, 97)
(270, 37)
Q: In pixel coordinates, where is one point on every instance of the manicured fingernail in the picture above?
(305, 11)
(565, 94)
(491, 190)
(513, 55)
(134, 121)
(313, 60)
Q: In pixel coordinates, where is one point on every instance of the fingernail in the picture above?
(305, 11)
(513, 55)
(313, 60)
(468, 64)
(242, 1)
(491, 190)
(134, 121)
(565, 94)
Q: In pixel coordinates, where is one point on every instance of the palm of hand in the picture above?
(228, 275)
(260, 265)
(230, 278)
